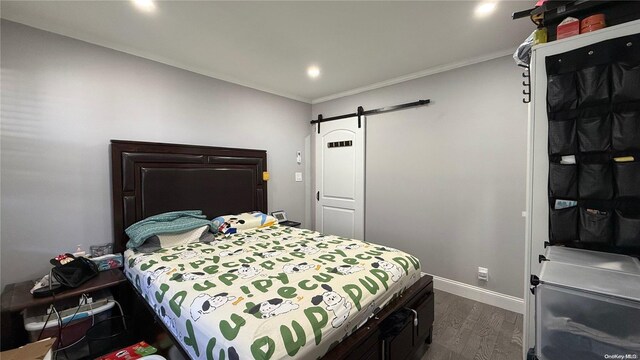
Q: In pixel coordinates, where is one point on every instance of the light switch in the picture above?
(299, 160)
(298, 176)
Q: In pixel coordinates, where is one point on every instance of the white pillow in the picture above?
(170, 240)
(231, 224)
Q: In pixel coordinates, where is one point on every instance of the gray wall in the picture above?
(63, 100)
(446, 182)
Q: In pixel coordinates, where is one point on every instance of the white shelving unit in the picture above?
(537, 222)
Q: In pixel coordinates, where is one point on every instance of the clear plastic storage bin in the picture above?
(75, 321)
(588, 306)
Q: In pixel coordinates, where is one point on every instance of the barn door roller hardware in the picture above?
(362, 112)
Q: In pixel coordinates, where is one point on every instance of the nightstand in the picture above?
(16, 297)
(290, 223)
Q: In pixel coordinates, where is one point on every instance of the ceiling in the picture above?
(268, 45)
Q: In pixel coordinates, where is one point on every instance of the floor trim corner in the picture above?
(500, 300)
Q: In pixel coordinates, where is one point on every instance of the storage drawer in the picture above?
(587, 305)
(574, 324)
(425, 317)
(374, 353)
(369, 350)
(401, 345)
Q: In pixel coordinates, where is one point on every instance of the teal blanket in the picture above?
(167, 223)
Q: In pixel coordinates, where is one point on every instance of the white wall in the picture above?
(63, 100)
(446, 182)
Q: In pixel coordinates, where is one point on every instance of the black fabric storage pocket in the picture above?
(628, 179)
(625, 82)
(595, 181)
(593, 86)
(625, 133)
(563, 225)
(561, 92)
(594, 132)
(563, 181)
(627, 232)
(595, 228)
(562, 137)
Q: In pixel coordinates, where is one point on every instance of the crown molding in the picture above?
(416, 75)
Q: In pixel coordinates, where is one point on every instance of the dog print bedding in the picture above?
(269, 293)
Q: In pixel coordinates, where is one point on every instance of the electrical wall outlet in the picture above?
(298, 176)
(483, 274)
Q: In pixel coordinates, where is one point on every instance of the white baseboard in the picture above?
(475, 293)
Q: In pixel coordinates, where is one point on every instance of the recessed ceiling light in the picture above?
(313, 71)
(485, 8)
(145, 5)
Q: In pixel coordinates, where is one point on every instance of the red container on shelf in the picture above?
(592, 23)
(568, 27)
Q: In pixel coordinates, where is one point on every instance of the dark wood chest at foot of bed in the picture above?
(411, 342)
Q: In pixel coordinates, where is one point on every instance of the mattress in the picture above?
(269, 293)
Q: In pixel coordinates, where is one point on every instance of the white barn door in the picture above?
(339, 151)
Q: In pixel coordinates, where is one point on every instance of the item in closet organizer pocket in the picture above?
(563, 204)
(568, 27)
(592, 23)
(595, 226)
(568, 159)
(623, 159)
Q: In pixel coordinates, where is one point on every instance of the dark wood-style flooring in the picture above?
(467, 329)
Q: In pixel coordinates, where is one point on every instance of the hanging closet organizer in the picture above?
(593, 106)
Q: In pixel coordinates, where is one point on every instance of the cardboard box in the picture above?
(568, 27)
(135, 351)
(38, 350)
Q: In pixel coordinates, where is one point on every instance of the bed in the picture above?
(269, 292)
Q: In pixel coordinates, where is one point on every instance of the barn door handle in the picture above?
(318, 196)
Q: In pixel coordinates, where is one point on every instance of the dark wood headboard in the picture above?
(152, 178)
